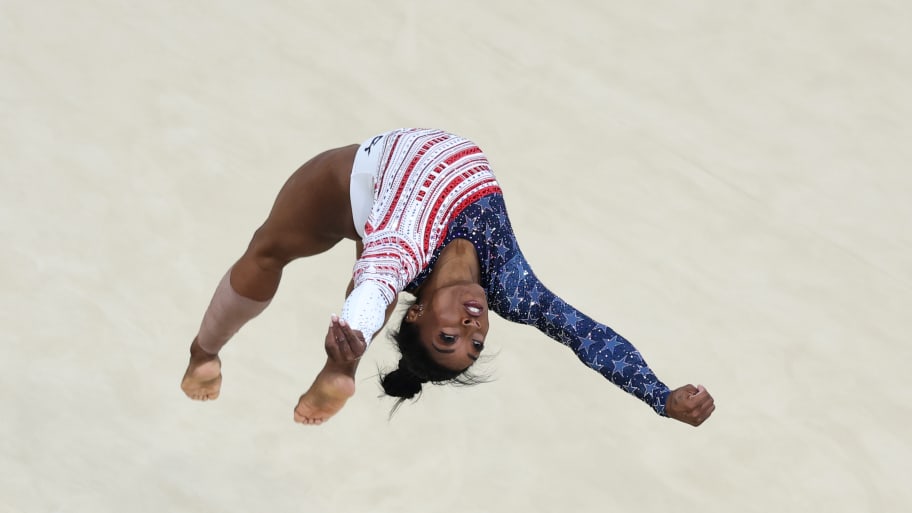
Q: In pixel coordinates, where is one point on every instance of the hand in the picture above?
(343, 344)
(690, 404)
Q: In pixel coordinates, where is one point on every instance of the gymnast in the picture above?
(428, 217)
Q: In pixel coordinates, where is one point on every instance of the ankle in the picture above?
(347, 368)
(197, 351)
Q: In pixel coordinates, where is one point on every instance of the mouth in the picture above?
(475, 308)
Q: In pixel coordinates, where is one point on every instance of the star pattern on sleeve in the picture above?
(516, 294)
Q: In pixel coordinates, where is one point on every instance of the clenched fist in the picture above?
(690, 404)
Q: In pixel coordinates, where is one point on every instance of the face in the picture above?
(453, 324)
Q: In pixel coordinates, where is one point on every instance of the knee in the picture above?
(269, 250)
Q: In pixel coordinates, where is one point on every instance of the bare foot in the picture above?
(203, 379)
(326, 396)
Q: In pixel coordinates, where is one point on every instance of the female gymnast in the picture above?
(428, 217)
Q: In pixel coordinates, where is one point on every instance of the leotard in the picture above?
(432, 188)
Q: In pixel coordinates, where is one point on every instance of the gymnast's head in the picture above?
(441, 336)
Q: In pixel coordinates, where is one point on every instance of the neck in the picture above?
(457, 263)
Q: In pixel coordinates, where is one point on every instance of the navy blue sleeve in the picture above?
(516, 294)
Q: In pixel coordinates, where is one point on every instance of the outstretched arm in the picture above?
(519, 296)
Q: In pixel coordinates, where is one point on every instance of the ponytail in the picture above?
(402, 382)
(416, 367)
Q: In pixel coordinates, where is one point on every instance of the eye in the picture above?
(477, 344)
(448, 339)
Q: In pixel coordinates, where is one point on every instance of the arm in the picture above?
(386, 263)
(518, 295)
(359, 248)
(345, 345)
(335, 383)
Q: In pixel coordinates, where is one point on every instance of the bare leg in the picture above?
(227, 313)
(310, 215)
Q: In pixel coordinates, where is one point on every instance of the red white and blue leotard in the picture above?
(432, 187)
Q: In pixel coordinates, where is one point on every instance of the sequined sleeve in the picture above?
(387, 263)
(365, 308)
(517, 295)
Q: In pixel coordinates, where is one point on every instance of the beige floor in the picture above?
(726, 184)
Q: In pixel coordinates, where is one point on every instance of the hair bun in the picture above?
(401, 383)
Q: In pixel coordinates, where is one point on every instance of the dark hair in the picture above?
(416, 367)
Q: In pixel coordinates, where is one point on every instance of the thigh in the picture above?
(312, 211)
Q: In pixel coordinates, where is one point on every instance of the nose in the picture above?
(471, 321)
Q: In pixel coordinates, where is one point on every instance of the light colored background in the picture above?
(725, 183)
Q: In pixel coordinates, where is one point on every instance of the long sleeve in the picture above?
(389, 260)
(365, 308)
(517, 295)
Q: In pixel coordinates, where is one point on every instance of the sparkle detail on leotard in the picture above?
(426, 178)
(516, 294)
(435, 187)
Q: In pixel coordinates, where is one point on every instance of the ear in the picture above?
(413, 313)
